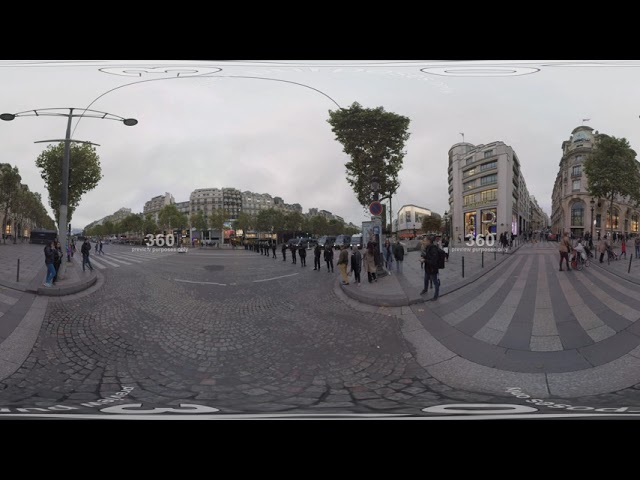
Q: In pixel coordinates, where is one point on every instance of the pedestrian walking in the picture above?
(293, 253)
(273, 248)
(637, 244)
(303, 256)
(343, 263)
(86, 250)
(565, 248)
(388, 255)
(431, 261)
(316, 257)
(49, 259)
(369, 262)
(356, 263)
(57, 260)
(398, 253)
(328, 258)
(284, 252)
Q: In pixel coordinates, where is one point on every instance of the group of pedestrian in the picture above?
(53, 255)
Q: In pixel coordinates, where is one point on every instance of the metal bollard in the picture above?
(494, 255)
(628, 270)
(482, 259)
(18, 272)
(462, 267)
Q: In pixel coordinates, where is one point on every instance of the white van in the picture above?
(356, 240)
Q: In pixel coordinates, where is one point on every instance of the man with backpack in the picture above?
(433, 260)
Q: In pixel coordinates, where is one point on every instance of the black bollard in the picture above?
(18, 272)
(628, 270)
(462, 267)
(482, 259)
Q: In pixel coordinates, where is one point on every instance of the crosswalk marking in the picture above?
(471, 307)
(586, 297)
(118, 259)
(7, 299)
(504, 315)
(589, 321)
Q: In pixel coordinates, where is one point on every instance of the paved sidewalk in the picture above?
(33, 271)
(402, 289)
(627, 268)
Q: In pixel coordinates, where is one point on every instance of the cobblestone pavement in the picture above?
(245, 333)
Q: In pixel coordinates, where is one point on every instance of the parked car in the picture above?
(342, 240)
(356, 240)
(305, 242)
(326, 240)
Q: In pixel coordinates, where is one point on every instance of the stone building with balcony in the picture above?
(573, 209)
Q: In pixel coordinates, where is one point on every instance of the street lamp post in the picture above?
(58, 112)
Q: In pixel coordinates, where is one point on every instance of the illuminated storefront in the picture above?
(470, 223)
(489, 217)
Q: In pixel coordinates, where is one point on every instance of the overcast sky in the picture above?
(200, 127)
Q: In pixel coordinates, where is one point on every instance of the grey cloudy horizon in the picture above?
(211, 126)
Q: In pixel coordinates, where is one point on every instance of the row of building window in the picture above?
(577, 219)
(485, 196)
(486, 180)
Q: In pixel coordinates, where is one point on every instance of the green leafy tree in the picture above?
(198, 221)
(170, 217)
(293, 221)
(613, 171)
(131, 224)
(217, 218)
(244, 222)
(9, 191)
(431, 224)
(319, 225)
(335, 227)
(149, 225)
(23, 208)
(108, 228)
(271, 221)
(85, 173)
(374, 140)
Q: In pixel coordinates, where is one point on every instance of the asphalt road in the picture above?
(232, 332)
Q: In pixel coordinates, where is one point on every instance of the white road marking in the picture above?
(202, 283)
(274, 278)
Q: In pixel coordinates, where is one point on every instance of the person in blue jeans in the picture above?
(430, 259)
(49, 259)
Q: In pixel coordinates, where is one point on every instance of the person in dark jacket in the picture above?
(430, 259)
(356, 263)
(316, 257)
(284, 252)
(398, 253)
(86, 250)
(328, 258)
(303, 256)
(57, 260)
(273, 248)
(293, 253)
(49, 259)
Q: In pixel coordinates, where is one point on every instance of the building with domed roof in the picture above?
(573, 209)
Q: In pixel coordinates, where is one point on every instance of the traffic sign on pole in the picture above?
(375, 208)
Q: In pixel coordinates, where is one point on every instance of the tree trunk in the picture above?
(611, 217)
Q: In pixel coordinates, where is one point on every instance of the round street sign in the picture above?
(375, 208)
